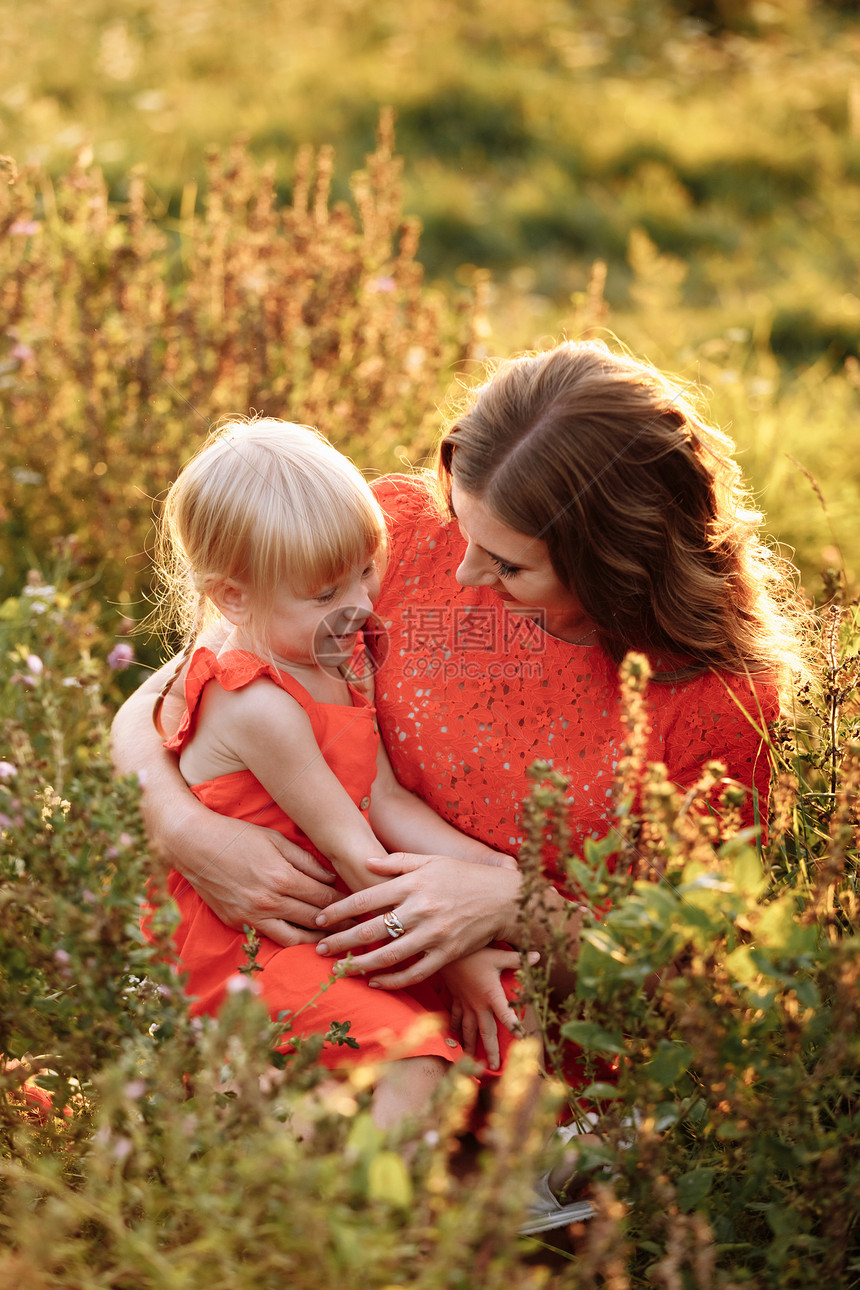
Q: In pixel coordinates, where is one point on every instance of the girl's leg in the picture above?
(406, 1089)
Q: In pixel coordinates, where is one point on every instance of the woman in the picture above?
(586, 510)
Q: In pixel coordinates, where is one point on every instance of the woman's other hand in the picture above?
(253, 876)
(247, 875)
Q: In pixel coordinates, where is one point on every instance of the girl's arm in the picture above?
(271, 734)
(247, 875)
(405, 823)
(479, 1002)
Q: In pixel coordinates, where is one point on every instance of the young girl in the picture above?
(274, 532)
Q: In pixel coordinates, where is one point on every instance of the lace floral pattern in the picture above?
(470, 695)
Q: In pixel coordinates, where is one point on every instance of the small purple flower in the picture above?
(120, 656)
(385, 285)
(7, 770)
(63, 957)
(135, 1089)
(24, 227)
(23, 353)
(35, 664)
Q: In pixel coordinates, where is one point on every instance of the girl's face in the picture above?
(516, 567)
(321, 629)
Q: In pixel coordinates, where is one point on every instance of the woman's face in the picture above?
(517, 568)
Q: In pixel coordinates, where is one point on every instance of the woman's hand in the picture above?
(249, 875)
(449, 908)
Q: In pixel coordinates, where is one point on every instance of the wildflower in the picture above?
(7, 770)
(120, 656)
(40, 596)
(23, 353)
(240, 984)
(35, 664)
(24, 227)
(135, 1089)
(22, 475)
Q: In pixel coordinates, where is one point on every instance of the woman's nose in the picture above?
(474, 570)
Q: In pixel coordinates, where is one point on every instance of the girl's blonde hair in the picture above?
(642, 508)
(267, 504)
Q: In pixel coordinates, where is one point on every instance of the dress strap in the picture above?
(234, 670)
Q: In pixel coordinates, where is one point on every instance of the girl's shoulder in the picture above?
(244, 679)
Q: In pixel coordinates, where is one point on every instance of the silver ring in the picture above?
(393, 925)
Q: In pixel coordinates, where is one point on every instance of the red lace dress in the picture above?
(471, 694)
(211, 953)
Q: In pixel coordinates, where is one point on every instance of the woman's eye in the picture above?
(505, 570)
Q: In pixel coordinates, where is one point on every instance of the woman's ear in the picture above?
(231, 600)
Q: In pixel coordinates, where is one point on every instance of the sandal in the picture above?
(546, 1211)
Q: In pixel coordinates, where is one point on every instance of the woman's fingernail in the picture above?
(320, 920)
(374, 985)
(322, 948)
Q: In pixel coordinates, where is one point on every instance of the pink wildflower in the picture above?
(120, 656)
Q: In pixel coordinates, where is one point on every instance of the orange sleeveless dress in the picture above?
(211, 953)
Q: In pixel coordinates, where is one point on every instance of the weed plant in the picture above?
(716, 992)
(121, 346)
(719, 983)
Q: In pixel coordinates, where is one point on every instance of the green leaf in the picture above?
(779, 930)
(603, 943)
(669, 1062)
(740, 965)
(591, 1036)
(747, 873)
(693, 1187)
(388, 1180)
(601, 1092)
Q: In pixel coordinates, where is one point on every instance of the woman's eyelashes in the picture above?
(505, 570)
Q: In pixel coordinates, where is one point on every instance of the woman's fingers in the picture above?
(285, 934)
(360, 904)
(470, 1032)
(302, 862)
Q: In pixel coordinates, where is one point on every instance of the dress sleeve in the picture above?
(406, 502)
(727, 719)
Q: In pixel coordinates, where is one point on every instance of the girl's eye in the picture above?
(505, 570)
(325, 596)
(369, 571)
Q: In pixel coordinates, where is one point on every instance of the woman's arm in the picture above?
(247, 875)
(404, 823)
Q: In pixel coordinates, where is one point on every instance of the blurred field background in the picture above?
(210, 209)
(682, 173)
